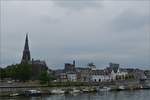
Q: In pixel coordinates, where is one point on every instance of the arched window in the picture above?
(99, 80)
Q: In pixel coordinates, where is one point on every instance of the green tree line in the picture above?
(20, 72)
(23, 72)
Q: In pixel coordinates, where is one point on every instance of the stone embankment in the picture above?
(16, 89)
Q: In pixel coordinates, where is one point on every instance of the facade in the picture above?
(83, 74)
(63, 77)
(115, 72)
(69, 67)
(147, 73)
(72, 77)
(37, 67)
(137, 73)
(60, 75)
(99, 76)
(111, 73)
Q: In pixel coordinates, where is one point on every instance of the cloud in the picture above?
(129, 21)
(77, 4)
(49, 20)
(97, 31)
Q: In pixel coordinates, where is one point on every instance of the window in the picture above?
(99, 80)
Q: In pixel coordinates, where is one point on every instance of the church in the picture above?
(37, 65)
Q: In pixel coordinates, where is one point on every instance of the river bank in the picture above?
(20, 89)
(112, 95)
(66, 90)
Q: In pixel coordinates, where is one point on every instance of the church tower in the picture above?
(26, 52)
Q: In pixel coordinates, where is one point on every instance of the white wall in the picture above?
(72, 77)
(99, 78)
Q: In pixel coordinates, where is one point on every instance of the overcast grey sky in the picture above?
(99, 31)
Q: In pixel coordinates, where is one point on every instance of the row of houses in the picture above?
(91, 74)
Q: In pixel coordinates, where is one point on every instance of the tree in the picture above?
(10, 71)
(19, 71)
(2, 73)
(44, 77)
(23, 71)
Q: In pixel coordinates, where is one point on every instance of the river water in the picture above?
(120, 95)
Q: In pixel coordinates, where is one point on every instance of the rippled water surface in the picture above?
(121, 95)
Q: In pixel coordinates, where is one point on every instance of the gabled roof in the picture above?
(109, 69)
(115, 69)
(98, 72)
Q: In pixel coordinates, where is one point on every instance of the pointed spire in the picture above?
(26, 47)
(26, 52)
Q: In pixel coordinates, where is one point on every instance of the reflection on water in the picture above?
(122, 95)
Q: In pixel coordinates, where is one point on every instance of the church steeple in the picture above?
(26, 52)
(26, 47)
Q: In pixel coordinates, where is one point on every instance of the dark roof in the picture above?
(59, 71)
(39, 62)
(114, 68)
(123, 70)
(98, 72)
(81, 68)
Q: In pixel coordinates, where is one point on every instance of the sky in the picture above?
(60, 31)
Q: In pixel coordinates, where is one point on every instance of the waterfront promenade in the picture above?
(18, 87)
(113, 95)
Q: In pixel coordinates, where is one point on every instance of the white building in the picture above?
(99, 76)
(115, 72)
(72, 77)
